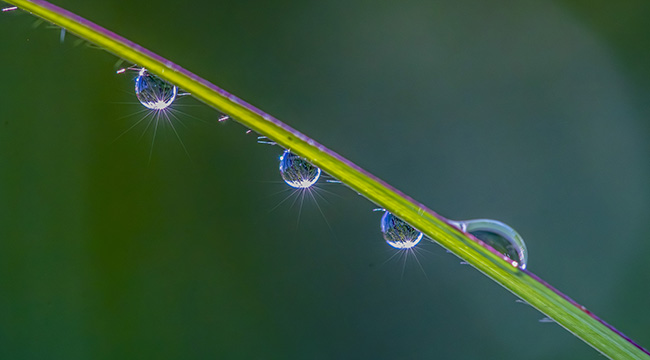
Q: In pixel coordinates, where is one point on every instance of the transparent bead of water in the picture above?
(499, 236)
(298, 172)
(153, 92)
(398, 233)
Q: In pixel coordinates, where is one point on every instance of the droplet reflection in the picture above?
(398, 233)
(298, 172)
(153, 92)
(499, 236)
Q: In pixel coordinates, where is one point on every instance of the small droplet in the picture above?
(153, 92)
(398, 233)
(265, 140)
(223, 118)
(11, 8)
(499, 236)
(297, 172)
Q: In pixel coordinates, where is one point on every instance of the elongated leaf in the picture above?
(575, 318)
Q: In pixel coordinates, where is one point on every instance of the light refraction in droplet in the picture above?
(298, 172)
(153, 92)
(499, 236)
(398, 233)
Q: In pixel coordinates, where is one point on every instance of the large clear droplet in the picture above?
(298, 172)
(398, 233)
(153, 92)
(499, 236)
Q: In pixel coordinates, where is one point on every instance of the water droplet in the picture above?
(398, 233)
(298, 172)
(265, 140)
(153, 92)
(11, 8)
(499, 236)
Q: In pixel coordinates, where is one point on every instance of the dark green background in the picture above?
(533, 113)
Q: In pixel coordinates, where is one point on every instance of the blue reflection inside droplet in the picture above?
(298, 172)
(153, 92)
(398, 233)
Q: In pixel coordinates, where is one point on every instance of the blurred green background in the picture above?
(533, 113)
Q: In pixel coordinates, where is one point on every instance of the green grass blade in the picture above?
(527, 286)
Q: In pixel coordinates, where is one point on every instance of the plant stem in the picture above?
(524, 284)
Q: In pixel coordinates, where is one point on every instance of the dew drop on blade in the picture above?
(398, 233)
(153, 92)
(298, 172)
(499, 236)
